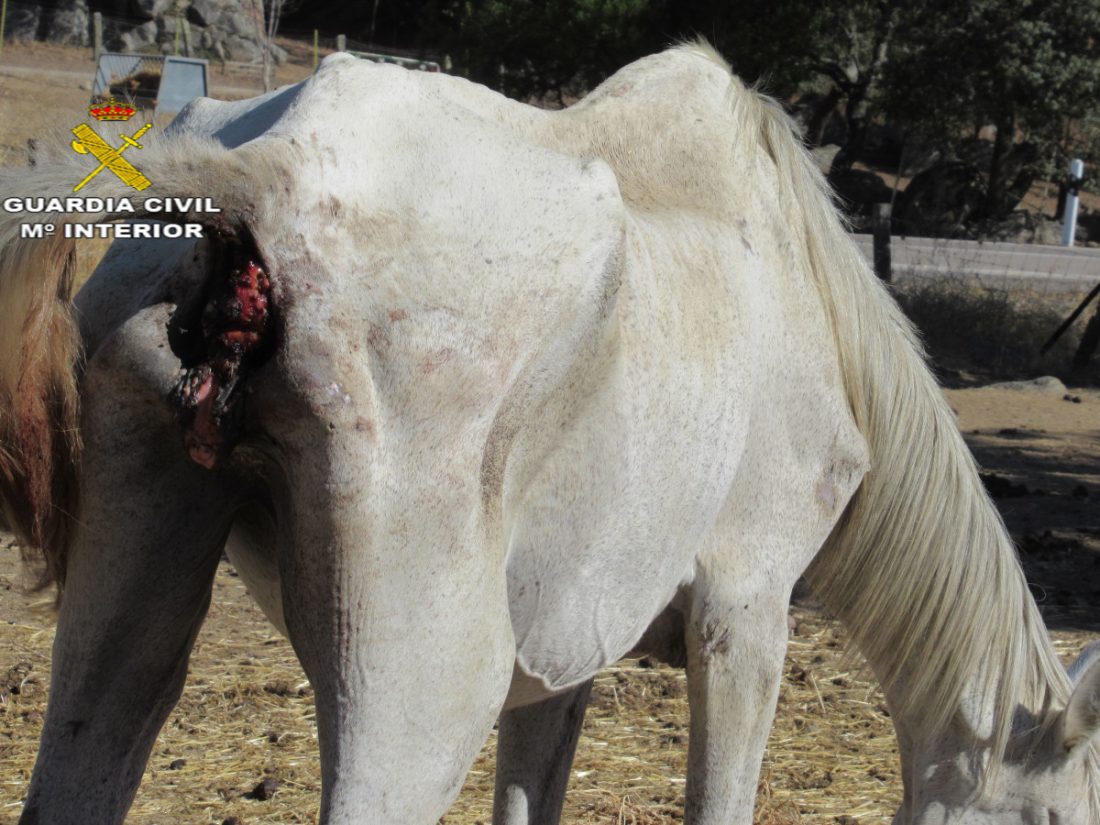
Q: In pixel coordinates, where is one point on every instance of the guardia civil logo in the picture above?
(88, 142)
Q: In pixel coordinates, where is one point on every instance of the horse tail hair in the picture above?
(39, 409)
(40, 348)
(920, 568)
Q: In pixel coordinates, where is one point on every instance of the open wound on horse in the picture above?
(220, 340)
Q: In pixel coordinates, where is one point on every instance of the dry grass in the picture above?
(992, 331)
(247, 714)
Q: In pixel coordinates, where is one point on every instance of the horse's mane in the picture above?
(40, 350)
(921, 568)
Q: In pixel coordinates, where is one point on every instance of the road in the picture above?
(993, 264)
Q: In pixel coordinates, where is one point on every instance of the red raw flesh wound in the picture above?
(234, 325)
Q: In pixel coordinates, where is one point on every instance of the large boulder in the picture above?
(221, 29)
(22, 24)
(244, 49)
(140, 38)
(68, 22)
(205, 12)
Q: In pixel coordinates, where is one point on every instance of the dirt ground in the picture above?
(45, 90)
(246, 714)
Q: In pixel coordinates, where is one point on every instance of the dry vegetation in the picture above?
(247, 715)
(978, 332)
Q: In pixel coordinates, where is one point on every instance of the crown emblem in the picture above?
(111, 109)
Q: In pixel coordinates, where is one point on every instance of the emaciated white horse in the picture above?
(487, 397)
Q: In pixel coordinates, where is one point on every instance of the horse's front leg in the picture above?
(736, 637)
(535, 747)
(398, 613)
(138, 584)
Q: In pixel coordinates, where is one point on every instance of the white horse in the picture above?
(488, 397)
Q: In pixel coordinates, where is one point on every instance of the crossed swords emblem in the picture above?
(89, 143)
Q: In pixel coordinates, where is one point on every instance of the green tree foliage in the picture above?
(839, 48)
(938, 70)
(559, 48)
(1030, 68)
(554, 48)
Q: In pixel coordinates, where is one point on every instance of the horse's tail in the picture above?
(40, 350)
(920, 568)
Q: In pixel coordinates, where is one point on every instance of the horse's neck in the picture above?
(972, 717)
(977, 712)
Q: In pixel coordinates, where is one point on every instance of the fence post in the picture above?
(1069, 220)
(3, 20)
(187, 48)
(880, 229)
(341, 42)
(97, 35)
(316, 48)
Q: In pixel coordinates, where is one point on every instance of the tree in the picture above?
(1030, 68)
(273, 11)
(533, 49)
(794, 46)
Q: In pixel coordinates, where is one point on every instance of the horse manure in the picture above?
(263, 790)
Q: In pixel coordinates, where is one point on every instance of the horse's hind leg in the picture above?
(137, 588)
(535, 747)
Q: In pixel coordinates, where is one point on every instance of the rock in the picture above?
(243, 50)
(22, 23)
(226, 29)
(1046, 384)
(140, 38)
(241, 24)
(204, 12)
(176, 764)
(68, 22)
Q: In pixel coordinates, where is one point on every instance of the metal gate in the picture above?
(164, 84)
